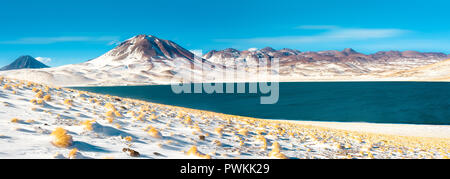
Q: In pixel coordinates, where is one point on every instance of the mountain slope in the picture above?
(24, 62)
(434, 72)
(331, 64)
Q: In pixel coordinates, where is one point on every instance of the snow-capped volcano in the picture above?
(145, 48)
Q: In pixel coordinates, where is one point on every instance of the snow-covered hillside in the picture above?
(39, 121)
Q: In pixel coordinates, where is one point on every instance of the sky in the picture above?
(67, 32)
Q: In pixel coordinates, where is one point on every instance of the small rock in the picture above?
(201, 137)
(131, 152)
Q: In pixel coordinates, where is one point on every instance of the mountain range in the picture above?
(146, 59)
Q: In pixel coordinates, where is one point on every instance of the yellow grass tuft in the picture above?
(87, 125)
(47, 97)
(140, 117)
(187, 120)
(194, 152)
(15, 120)
(154, 132)
(61, 138)
(30, 121)
(128, 138)
(218, 130)
(117, 113)
(131, 113)
(40, 101)
(6, 87)
(68, 102)
(40, 94)
(110, 106)
(110, 114)
(276, 151)
(243, 132)
(118, 126)
(152, 117)
(217, 143)
(110, 119)
(73, 153)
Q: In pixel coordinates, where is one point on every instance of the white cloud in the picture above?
(197, 52)
(253, 49)
(331, 35)
(114, 42)
(44, 60)
(51, 40)
(318, 27)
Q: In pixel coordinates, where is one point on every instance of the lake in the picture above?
(375, 102)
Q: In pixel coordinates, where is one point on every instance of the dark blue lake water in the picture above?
(376, 102)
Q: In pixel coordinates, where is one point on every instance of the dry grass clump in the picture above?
(40, 102)
(219, 130)
(39, 95)
(197, 128)
(154, 132)
(243, 132)
(194, 152)
(152, 117)
(140, 117)
(15, 120)
(73, 153)
(118, 126)
(110, 114)
(131, 113)
(110, 119)
(35, 90)
(87, 125)
(275, 153)
(68, 102)
(217, 143)
(187, 120)
(47, 97)
(30, 121)
(6, 87)
(61, 138)
(262, 139)
(110, 106)
(128, 138)
(117, 114)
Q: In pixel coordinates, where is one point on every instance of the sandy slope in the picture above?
(102, 126)
(435, 131)
(439, 71)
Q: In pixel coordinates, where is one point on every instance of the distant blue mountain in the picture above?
(24, 62)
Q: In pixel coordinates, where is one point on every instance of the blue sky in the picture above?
(64, 32)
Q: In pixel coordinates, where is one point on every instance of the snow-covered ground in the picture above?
(38, 121)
